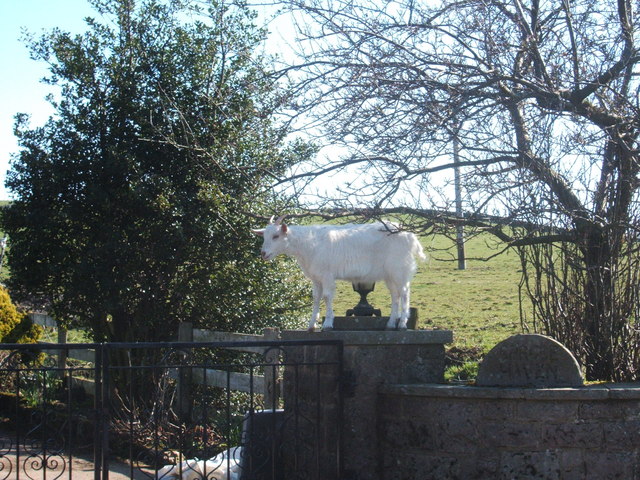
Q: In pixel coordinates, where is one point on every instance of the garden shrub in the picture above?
(15, 326)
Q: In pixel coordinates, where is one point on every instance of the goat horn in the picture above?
(280, 219)
(272, 217)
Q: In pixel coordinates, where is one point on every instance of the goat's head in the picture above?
(275, 238)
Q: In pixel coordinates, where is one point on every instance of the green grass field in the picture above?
(480, 304)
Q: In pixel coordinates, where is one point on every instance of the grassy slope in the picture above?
(480, 304)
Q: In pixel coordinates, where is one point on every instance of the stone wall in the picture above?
(399, 422)
(467, 432)
(371, 359)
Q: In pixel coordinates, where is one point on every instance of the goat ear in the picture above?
(284, 228)
(259, 233)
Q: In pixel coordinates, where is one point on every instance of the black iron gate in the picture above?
(170, 410)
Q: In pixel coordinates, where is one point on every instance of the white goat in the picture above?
(224, 466)
(355, 253)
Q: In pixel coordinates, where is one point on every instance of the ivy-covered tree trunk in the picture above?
(599, 298)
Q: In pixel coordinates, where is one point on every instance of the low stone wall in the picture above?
(467, 432)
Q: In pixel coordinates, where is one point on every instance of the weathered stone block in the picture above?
(486, 466)
(610, 466)
(462, 431)
(529, 361)
(409, 406)
(572, 464)
(415, 464)
(572, 435)
(530, 465)
(406, 434)
(621, 435)
(521, 436)
(551, 411)
(460, 408)
(602, 410)
(501, 411)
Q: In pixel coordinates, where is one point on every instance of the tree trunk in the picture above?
(599, 293)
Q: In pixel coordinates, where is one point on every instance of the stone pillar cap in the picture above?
(372, 338)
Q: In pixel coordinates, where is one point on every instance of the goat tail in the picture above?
(416, 249)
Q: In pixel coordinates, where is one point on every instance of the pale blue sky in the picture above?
(20, 86)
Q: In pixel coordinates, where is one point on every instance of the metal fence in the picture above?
(149, 411)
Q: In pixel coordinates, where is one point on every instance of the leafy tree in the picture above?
(129, 201)
(542, 98)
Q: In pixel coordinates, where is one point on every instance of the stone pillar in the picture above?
(371, 359)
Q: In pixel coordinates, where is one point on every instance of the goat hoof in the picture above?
(327, 329)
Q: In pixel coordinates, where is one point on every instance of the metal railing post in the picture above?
(106, 408)
(185, 375)
(97, 402)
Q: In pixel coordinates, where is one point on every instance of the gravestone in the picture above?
(261, 457)
(530, 360)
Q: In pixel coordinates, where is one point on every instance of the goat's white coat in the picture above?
(354, 253)
(224, 466)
